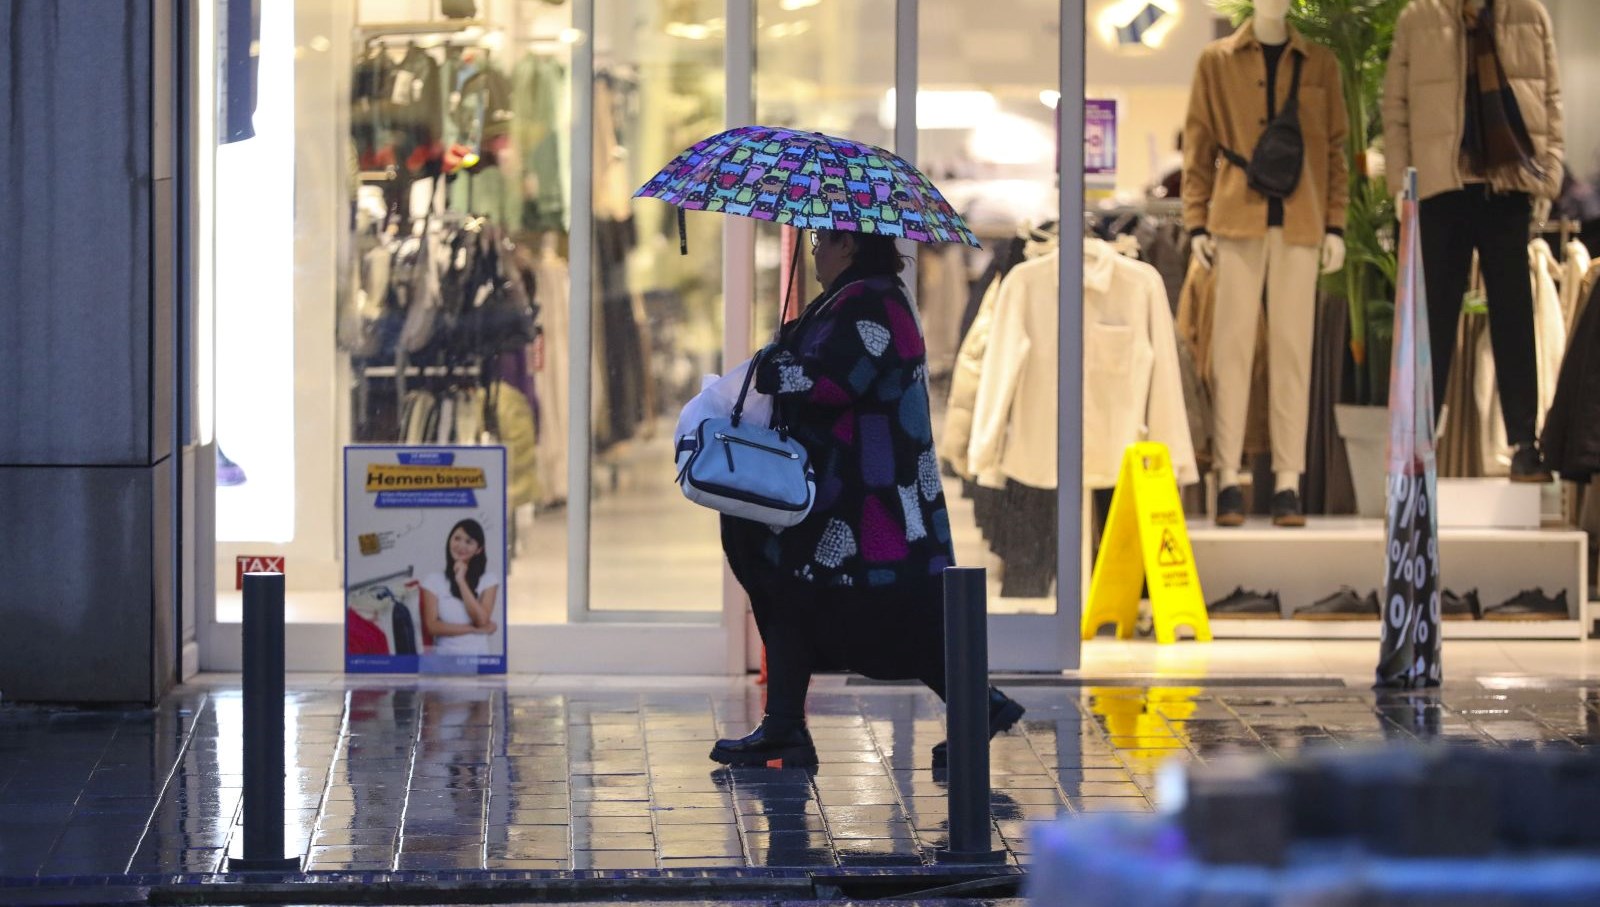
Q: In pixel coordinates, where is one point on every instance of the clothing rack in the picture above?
(448, 29)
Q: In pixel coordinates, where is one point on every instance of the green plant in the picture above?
(1359, 33)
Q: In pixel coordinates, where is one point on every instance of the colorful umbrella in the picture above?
(809, 181)
(1409, 654)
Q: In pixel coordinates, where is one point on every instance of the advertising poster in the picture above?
(1099, 137)
(425, 559)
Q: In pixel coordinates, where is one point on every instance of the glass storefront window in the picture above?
(987, 77)
(391, 268)
(657, 314)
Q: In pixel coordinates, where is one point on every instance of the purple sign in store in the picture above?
(1099, 136)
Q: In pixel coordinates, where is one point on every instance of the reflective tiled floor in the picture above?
(564, 774)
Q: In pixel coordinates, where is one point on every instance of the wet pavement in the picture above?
(394, 775)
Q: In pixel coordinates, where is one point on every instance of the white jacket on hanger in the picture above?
(1576, 265)
(1132, 386)
(1549, 326)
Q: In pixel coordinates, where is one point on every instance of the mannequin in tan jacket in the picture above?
(1469, 205)
(1257, 244)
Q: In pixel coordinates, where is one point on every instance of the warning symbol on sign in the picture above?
(1171, 554)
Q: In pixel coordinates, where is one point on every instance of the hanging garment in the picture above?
(469, 421)
(964, 387)
(513, 420)
(537, 85)
(1573, 268)
(419, 415)
(1461, 444)
(1328, 486)
(551, 374)
(941, 297)
(1549, 327)
(1132, 387)
(1571, 439)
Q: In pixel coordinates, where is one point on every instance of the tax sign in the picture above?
(255, 563)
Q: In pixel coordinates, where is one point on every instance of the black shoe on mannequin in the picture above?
(1527, 465)
(774, 739)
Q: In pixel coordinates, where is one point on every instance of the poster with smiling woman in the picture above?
(425, 559)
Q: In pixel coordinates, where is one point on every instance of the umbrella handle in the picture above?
(683, 233)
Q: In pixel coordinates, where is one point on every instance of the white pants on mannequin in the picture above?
(1288, 274)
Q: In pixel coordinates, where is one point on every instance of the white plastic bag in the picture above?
(716, 399)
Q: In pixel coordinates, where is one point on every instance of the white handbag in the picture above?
(739, 467)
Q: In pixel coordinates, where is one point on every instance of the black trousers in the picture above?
(895, 633)
(1496, 225)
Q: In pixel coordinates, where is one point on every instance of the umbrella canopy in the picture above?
(809, 181)
(1409, 653)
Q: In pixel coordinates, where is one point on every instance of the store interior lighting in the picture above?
(1137, 24)
(939, 109)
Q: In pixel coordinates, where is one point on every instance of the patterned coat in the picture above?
(850, 377)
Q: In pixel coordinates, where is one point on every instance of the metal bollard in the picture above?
(966, 678)
(263, 728)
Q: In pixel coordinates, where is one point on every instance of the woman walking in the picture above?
(858, 584)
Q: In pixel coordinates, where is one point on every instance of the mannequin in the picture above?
(1472, 100)
(1257, 244)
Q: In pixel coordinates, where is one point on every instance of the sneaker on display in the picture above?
(1530, 604)
(1346, 604)
(1245, 604)
(1460, 607)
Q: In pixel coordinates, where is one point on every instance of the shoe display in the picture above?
(229, 473)
(769, 742)
(1530, 604)
(1346, 604)
(1004, 713)
(1230, 506)
(1527, 465)
(1242, 604)
(1460, 607)
(1286, 509)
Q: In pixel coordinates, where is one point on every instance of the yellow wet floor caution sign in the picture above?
(1146, 542)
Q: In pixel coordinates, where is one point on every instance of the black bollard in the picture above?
(966, 678)
(263, 728)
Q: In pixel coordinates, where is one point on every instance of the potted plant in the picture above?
(1359, 33)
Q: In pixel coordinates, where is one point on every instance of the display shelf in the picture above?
(1304, 565)
(1288, 628)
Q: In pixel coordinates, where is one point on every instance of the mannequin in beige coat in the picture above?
(1468, 207)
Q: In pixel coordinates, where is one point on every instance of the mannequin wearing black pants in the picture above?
(1497, 226)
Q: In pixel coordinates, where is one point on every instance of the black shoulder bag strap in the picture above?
(1291, 107)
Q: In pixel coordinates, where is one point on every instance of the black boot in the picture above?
(1004, 712)
(776, 738)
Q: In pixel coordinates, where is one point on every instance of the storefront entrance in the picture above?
(376, 121)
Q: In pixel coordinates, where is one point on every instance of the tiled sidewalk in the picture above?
(562, 774)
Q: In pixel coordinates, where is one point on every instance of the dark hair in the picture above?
(876, 254)
(476, 566)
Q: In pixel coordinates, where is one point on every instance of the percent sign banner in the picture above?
(1409, 655)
